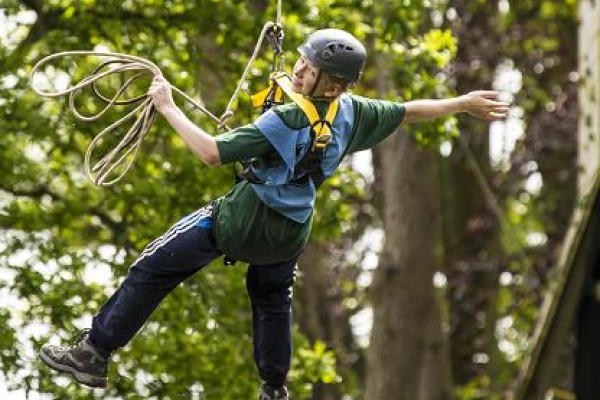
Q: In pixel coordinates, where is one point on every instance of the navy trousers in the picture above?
(184, 249)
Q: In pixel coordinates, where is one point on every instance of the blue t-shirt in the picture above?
(280, 138)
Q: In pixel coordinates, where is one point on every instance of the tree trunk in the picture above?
(407, 355)
(472, 247)
(322, 316)
(473, 252)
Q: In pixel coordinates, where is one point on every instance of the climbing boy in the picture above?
(265, 220)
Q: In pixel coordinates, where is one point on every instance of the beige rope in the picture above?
(127, 150)
(228, 113)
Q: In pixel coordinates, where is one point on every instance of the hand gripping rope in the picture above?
(127, 150)
(124, 154)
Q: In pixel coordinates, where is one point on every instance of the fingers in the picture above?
(487, 94)
(158, 79)
(483, 104)
(160, 93)
(501, 108)
(494, 116)
(498, 104)
(495, 109)
(159, 84)
(487, 98)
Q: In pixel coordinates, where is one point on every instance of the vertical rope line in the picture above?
(279, 12)
(280, 23)
(228, 113)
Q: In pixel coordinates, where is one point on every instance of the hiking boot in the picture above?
(273, 393)
(81, 360)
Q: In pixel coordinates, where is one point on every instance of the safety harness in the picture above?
(309, 167)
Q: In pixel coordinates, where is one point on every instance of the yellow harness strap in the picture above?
(322, 127)
(259, 99)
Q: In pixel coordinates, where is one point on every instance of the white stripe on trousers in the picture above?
(185, 224)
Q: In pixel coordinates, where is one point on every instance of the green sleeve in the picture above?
(242, 143)
(374, 120)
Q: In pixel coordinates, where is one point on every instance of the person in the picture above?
(265, 220)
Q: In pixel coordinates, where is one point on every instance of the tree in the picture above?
(408, 356)
(472, 247)
(489, 39)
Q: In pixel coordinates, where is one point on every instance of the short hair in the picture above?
(336, 80)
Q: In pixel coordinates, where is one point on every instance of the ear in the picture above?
(333, 90)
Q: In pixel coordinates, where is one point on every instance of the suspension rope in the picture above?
(279, 12)
(273, 31)
(228, 113)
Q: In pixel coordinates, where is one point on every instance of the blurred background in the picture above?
(457, 260)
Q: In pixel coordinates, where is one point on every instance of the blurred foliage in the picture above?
(61, 234)
(536, 40)
(66, 244)
(541, 38)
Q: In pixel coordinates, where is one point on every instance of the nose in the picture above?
(300, 67)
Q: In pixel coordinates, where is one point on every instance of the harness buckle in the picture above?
(322, 141)
(322, 134)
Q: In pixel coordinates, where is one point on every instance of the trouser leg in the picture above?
(167, 261)
(270, 290)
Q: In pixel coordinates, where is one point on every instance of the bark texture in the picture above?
(407, 355)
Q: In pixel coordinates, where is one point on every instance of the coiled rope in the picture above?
(125, 153)
(127, 150)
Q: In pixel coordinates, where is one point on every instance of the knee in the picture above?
(269, 287)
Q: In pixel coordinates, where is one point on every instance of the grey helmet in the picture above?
(335, 51)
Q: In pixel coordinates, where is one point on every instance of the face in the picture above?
(304, 76)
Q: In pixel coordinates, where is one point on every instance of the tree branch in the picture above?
(38, 192)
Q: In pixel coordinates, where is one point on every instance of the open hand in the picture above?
(161, 94)
(483, 104)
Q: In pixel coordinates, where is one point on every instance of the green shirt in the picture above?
(245, 228)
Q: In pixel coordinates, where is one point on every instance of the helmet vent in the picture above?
(333, 48)
(335, 51)
(329, 51)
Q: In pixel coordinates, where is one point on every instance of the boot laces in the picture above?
(77, 339)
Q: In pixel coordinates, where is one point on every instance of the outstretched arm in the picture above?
(481, 104)
(202, 144)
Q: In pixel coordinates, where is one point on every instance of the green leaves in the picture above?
(199, 337)
(317, 364)
(441, 46)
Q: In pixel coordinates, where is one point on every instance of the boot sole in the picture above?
(81, 377)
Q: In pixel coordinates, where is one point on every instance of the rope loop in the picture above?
(120, 159)
(114, 164)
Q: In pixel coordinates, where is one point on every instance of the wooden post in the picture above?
(580, 247)
(589, 94)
